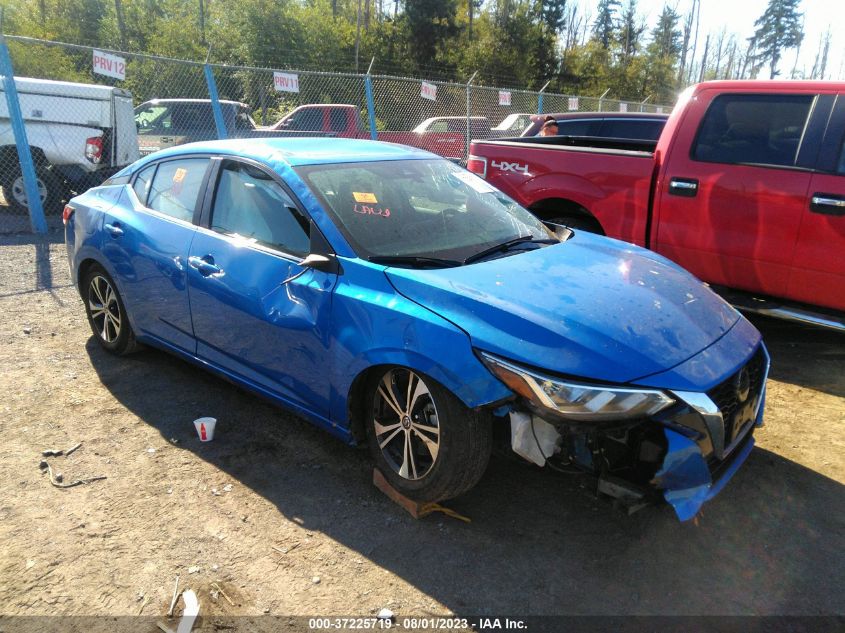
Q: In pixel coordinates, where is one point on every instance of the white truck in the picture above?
(79, 135)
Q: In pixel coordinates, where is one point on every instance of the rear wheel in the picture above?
(429, 446)
(49, 189)
(106, 312)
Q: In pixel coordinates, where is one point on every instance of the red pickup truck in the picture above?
(445, 136)
(745, 188)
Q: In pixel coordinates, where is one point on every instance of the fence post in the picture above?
(540, 97)
(601, 99)
(469, 111)
(215, 103)
(371, 107)
(30, 180)
(643, 102)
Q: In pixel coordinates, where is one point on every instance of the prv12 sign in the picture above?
(286, 82)
(428, 91)
(504, 98)
(109, 65)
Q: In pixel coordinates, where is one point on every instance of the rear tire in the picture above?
(106, 312)
(430, 449)
(49, 188)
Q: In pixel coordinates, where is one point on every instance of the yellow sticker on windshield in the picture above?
(180, 174)
(369, 198)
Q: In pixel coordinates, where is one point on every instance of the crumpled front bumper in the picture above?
(685, 478)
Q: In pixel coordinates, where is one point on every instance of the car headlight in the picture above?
(578, 401)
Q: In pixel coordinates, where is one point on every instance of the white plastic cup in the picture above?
(205, 428)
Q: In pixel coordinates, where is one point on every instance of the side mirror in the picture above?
(323, 263)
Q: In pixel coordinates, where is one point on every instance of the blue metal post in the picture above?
(215, 103)
(371, 108)
(30, 180)
(540, 103)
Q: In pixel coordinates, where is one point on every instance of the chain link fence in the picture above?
(72, 115)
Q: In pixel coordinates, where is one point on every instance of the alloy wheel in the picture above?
(105, 310)
(406, 424)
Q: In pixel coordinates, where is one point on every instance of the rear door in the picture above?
(732, 195)
(818, 275)
(250, 315)
(147, 242)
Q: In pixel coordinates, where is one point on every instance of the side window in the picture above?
(761, 129)
(142, 183)
(439, 126)
(154, 119)
(337, 120)
(176, 186)
(250, 204)
(309, 120)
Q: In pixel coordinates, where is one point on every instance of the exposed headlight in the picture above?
(577, 401)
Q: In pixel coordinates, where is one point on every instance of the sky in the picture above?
(738, 17)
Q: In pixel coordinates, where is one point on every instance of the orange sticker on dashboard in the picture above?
(369, 198)
(180, 174)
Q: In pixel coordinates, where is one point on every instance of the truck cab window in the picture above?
(754, 129)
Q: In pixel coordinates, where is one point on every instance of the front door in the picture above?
(249, 316)
(730, 198)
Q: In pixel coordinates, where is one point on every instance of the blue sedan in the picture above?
(397, 300)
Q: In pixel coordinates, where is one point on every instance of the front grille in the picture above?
(726, 395)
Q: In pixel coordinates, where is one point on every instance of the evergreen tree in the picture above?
(777, 29)
(605, 24)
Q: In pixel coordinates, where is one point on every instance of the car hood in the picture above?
(590, 307)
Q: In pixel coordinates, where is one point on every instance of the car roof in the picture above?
(603, 115)
(207, 101)
(297, 151)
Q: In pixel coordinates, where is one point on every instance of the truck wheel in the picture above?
(49, 189)
(428, 445)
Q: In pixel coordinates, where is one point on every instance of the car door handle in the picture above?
(205, 265)
(687, 187)
(827, 203)
(114, 229)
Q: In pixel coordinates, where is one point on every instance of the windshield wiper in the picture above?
(504, 246)
(414, 261)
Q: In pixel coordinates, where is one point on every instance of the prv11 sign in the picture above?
(428, 91)
(504, 98)
(109, 65)
(285, 82)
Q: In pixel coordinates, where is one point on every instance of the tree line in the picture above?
(519, 43)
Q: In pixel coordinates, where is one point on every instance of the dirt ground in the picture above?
(285, 520)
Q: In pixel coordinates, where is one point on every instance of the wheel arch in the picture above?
(551, 208)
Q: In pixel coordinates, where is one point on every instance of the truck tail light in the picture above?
(94, 149)
(68, 211)
(477, 165)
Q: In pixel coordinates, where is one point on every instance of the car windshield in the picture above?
(420, 209)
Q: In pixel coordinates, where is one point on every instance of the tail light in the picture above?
(94, 149)
(68, 211)
(477, 165)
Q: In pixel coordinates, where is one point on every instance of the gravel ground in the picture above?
(284, 518)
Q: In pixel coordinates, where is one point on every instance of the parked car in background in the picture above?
(513, 124)
(397, 300)
(745, 188)
(444, 136)
(79, 135)
(629, 125)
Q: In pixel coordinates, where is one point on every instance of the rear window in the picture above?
(175, 187)
(638, 129)
(578, 128)
(756, 129)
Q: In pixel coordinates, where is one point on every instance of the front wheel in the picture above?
(428, 445)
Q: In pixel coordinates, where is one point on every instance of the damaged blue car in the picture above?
(398, 301)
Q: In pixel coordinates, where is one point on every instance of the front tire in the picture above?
(106, 312)
(428, 445)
